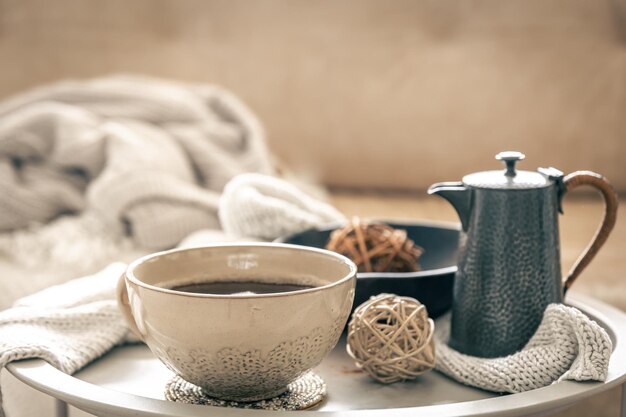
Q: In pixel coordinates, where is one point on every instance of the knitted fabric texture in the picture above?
(147, 155)
(81, 243)
(566, 345)
(76, 245)
(267, 208)
(68, 325)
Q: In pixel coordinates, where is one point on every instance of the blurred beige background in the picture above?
(363, 93)
(375, 94)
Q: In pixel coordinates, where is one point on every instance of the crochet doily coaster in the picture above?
(307, 391)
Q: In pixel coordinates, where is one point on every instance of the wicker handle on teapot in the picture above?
(597, 181)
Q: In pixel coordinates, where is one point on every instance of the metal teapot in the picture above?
(509, 261)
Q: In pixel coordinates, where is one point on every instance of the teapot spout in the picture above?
(458, 195)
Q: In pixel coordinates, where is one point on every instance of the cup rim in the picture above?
(130, 275)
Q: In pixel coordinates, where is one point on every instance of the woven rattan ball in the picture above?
(391, 338)
(376, 247)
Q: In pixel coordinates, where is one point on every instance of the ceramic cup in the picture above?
(240, 347)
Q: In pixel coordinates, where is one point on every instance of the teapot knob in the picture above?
(510, 158)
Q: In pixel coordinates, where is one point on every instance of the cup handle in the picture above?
(575, 180)
(124, 305)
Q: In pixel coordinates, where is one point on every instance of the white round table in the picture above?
(129, 381)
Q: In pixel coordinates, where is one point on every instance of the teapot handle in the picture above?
(574, 180)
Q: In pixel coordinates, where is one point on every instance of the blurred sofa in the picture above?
(364, 93)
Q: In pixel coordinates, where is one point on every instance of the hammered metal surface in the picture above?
(508, 272)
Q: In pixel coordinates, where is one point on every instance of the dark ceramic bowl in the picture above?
(432, 285)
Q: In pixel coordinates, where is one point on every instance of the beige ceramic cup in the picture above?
(239, 347)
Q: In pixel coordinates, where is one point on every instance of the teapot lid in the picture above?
(510, 178)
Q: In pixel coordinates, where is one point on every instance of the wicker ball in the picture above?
(376, 247)
(391, 338)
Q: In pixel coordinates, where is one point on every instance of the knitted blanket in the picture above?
(148, 156)
(67, 325)
(117, 167)
(566, 345)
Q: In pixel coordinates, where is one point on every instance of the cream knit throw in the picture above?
(68, 325)
(267, 208)
(147, 155)
(567, 345)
